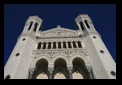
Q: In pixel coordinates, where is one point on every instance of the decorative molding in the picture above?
(59, 32)
(81, 16)
(34, 18)
(52, 53)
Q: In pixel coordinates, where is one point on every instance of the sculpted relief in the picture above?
(59, 32)
(61, 52)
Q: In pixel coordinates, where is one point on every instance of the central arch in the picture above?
(41, 69)
(60, 69)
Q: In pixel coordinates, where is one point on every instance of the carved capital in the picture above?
(50, 69)
(70, 68)
(89, 68)
(32, 70)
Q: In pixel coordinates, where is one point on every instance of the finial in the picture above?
(58, 26)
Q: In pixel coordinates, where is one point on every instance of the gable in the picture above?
(59, 32)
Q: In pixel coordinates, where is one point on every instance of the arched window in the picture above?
(41, 71)
(30, 25)
(86, 22)
(35, 27)
(79, 44)
(74, 44)
(69, 45)
(49, 45)
(39, 45)
(64, 44)
(59, 45)
(82, 26)
(60, 69)
(44, 45)
(54, 45)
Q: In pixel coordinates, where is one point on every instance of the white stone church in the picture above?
(60, 53)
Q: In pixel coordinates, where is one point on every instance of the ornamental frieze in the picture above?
(52, 53)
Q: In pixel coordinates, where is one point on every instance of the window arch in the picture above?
(86, 22)
(60, 69)
(79, 44)
(49, 45)
(82, 26)
(54, 45)
(44, 45)
(31, 22)
(64, 45)
(69, 44)
(74, 44)
(41, 69)
(79, 69)
(39, 45)
(35, 26)
(59, 45)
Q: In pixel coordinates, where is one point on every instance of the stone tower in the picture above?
(60, 53)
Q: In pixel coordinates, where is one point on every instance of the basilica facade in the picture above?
(60, 53)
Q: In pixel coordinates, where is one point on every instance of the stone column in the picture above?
(89, 69)
(42, 45)
(66, 44)
(71, 43)
(76, 45)
(70, 68)
(51, 45)
(62, 45)
(32, 27)
(82, 44)
(50, 74)
(31, 72)
(50, 69)
(47, 45)
(56, 45)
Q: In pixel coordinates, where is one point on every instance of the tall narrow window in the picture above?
(39, 45)
(35, 27)
(44, 46)
(59, 45)
(69, 45)
(86, 22)
(64, 44)
(54, 45)
(74, 44)
(82, 27)
(49, 45)
(79, 44)
(30, 25)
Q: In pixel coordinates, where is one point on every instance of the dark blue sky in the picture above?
(103, 17)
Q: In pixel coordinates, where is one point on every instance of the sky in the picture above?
(103, 17)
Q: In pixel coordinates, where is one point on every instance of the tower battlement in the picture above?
(35, 18)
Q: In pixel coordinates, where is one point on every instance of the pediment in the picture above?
(59, 32)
